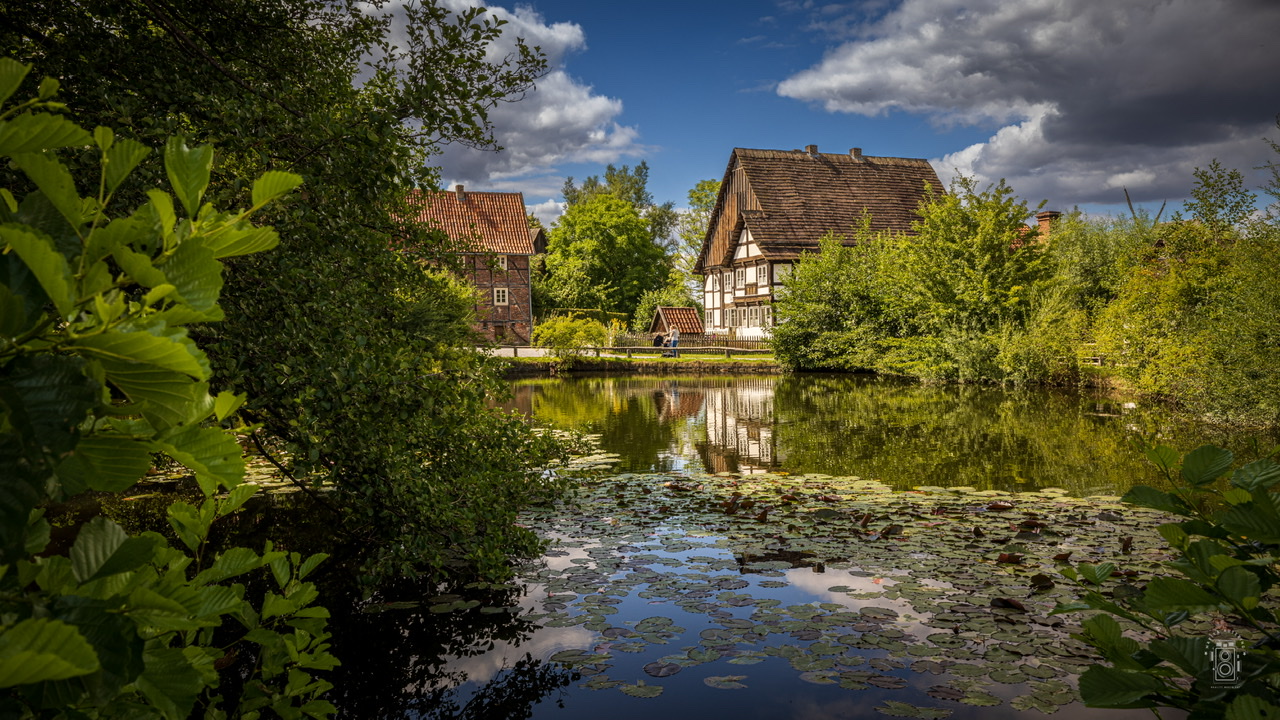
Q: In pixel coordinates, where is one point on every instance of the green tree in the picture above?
(692, 230)
(833, 311)
(601, 255)
(674, 294)
(428, 478)
(631, 185)
(97, 374)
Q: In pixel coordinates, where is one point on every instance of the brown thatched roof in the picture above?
(800, 195)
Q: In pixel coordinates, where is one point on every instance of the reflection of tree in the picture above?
(991, 438)
(396, 664)
(903, 433)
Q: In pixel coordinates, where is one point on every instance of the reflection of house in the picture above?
(774, 205)
(685, 318)
(493, 231)
(740, 427)
(672, 402)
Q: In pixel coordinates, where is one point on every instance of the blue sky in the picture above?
(1070, 100)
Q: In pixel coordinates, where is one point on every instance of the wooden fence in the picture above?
(633, 340)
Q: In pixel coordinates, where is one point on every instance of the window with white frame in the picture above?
(706, 318)
(755, 316)
(502, 262)
(767, 315)
(733, 318)
(500, 296)
(728, 280)
(781, 270)
(741, 277)
(762, 274)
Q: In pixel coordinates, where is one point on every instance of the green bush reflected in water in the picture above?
(904, 434)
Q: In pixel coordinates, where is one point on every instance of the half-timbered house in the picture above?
(492, 233)
(776, 204)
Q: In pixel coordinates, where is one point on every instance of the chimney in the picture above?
(856, 154)
(1046, 218)
(811, 149)
(462, 194)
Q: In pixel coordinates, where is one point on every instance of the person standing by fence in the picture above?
(675, 340)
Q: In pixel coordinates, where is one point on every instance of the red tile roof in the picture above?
(685, 318)
(484, 221)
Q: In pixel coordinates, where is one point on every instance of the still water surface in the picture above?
(903, 434)
(646, 584)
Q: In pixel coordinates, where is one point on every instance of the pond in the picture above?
(742, 548)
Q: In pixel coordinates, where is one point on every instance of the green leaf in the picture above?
(1258, 520)
(103, 548)
(188, 524)
(1111, 688)
(1178, 594)
(1257, 475)
(48, 265)
(1251, 707)
(241, 241)
(121, 159)
(196, 275)
(120, 350)
(1206, 464)
(214, 455)
(170, 682)
(310, 564)
(1155, 499)
(273, 184)
(1188, 653)
(227, 403)
(1241, 586)
(12, 73)
(114, 638)
(108, 463)
(1165, 458)
(1096, 574)
(55, 182)
(40, 649)
(188, 170)
(236, 561)
(237, 497)
(33, 132)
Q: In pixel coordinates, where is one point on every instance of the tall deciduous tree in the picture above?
(601, 255)
(632, 185)
(358, 359)
(692, 230)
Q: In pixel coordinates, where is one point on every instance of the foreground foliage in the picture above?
(359, 361)
(1228, 551)
(97, 375)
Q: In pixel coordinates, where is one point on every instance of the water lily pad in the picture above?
(887, 682)
(893, 708)
(725, 682)
(661, 669)
(981, 699)
(641, 690)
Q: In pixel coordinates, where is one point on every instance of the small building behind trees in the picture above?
(776, 204)
(491, 231)
(684, 318)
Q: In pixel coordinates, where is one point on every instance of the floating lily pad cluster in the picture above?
(837, 579)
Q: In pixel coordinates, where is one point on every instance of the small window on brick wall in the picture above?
(501, 264)
(500, 296)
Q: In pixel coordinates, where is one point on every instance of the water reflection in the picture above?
(904, 434)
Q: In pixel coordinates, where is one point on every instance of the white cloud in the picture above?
(1084, 97)
(561, 121)
(548, 211)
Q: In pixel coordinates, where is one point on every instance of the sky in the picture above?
(1070, 101)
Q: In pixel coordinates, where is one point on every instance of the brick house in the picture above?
(776, 204)
(492, 231)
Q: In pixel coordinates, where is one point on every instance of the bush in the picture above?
(1227, 551)
(97, 374)
(567, 336)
